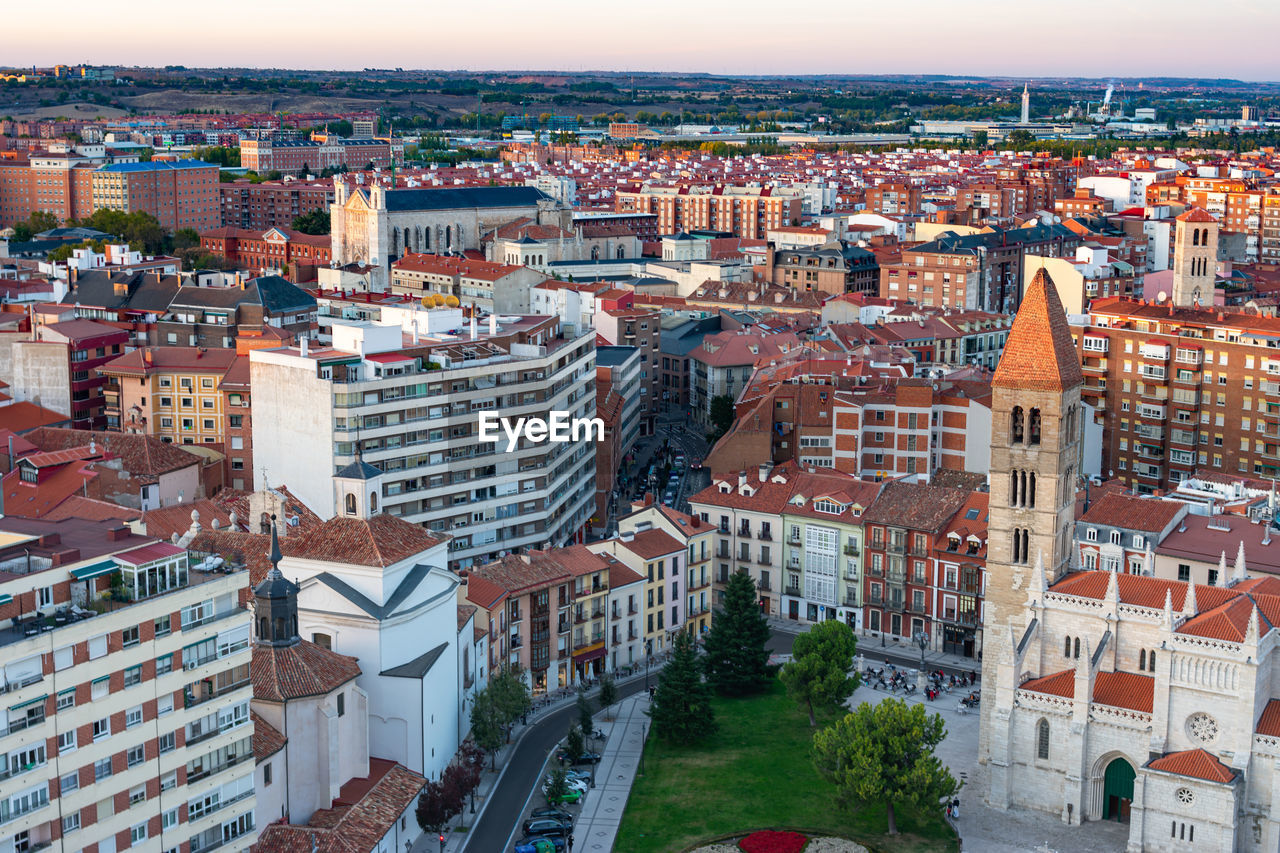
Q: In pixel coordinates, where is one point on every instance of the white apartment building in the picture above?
(412, 411)
(127, 684)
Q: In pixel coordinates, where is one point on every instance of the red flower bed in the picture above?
(772, 841)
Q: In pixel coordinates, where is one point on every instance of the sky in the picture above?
(1019, 38)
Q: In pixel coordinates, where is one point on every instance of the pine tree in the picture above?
(819, 670)
(736, 660)
(681, 708)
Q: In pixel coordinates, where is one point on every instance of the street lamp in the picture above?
(922, 640)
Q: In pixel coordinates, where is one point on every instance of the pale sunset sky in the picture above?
(1029, 38)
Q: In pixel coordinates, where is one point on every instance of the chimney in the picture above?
(303, 346)
(493, 324)
(473, 326)
(742, 479)
(115, 534)
(764, 470)
(64, 557)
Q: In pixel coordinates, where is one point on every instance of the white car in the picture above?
(579, 784)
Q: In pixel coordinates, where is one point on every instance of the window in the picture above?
(66, 742)
(67, 699)
(136, 755)
(167, 743)
(1042, 739)
(101, 769)
(129, 637)
(69, 783)
(342, 704)
(164, 664)
(133, 717)
(162, 627)
(266, 774)
(133, 676)
(169, 781)
(97, 646)
(138, 833)
(1184, 572)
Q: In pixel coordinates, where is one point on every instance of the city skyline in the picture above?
(1011, 39)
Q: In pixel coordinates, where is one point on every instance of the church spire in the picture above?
(1039, 354)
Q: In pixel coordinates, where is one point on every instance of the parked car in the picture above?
(539, 844)
(584, 758)
(559, 814)
(546, 826)
(571, 781)
(570, 796)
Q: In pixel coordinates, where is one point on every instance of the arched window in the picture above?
(1031, 490)
(595, 253)
(1066, 648)
(1195, 236)
(426, 239)
(1151, 661)
(279, 635)
(1013, 488)
(1033, 427)
(1142, 660)
(1015, 425)
(406, 239)
(621, 254)
(1042, 739)
(324, 641)
(373, 503)
(448, 236)
(263, 628)
(351, 504)
(1076, 648)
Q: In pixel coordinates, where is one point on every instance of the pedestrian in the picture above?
(955, 809)
(571, 842)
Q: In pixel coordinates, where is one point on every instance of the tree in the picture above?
(440, 801)
(37, 223)
(681, 707)
(471, 757)
(820, 664)
(511, 696)
(884, 753)
(575, 743)
(721, 415)
(608, 691)
(736, 660)
(585, 712)
(185, 238)
(487, 727)
(980, 138)
(557, 784)
(1019, 138)
(312, 222)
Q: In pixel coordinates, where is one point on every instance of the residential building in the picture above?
(169, 392)
(959, 576)
(483, 285)
(304, 156)
(903, 528)
(740, 211)
(57, 368)
(263, 206)
(658, 558)
(699, 541)
(1118, 531)
(134, 723)
(832, 268)
(1089, 275)
(277, 250)
(178, 193)
(640, 328)
(723, 364)
(371, 396)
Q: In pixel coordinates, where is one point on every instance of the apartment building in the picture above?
(723, 364)
(1181, 388)
(640, 328)
(958, 577)
(278, 250)
(61, 184)
(485, 285)
(740, 211)
(89, 345)
(830, 269)
(699, 543)
(297, 156)
(626, 591)
(127, 681)
(413, 412)
(658, 558)
(893, 198)
(259, 207)
(903, 528)
(178, 193)
(170, 392)
(823, 548)
(1118, 531)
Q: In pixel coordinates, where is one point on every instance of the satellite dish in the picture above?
(1161, 297)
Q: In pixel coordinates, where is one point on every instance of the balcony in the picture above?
(793, 590)
(766, 536)
(897, 547)
(850, 599)
(875, 598)
(202, 692)
(794, 538)
(744, 533)
(917, 607)
(616, 614)
(850, 550)
(764, 586)
(632, 634)
(744, 558)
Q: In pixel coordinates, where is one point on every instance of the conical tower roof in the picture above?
(1039, 354)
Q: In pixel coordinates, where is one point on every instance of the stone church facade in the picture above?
(1111, 696)
(374, 225)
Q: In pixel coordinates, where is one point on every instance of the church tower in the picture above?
(357, 488)
(1035, 430)
(1195, 258)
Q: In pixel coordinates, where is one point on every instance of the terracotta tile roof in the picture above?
(282, 673)
(149, 360)
(361, 816)
(1124, 690)
(1269, 722)
(484, 592)
(1195, 763)
(652, 543)
(1039, 354)
(621, 575)
(915, 505)
(379, 541)
(1229, 622)
(163, 522)
(78, 506)
(144, 457)
(466, 612)
(1132, 512)
(24, 416)
(1059, 684)
(267, 739)
(1195, 214)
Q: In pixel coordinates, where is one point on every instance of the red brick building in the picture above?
(89, 345)
(178, 193)
(270, 205)
(272, 250)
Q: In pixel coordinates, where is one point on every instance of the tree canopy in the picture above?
(721, 415)
(883, 753)
(736, 660)
(312, 222)
(681, 708)
(819, 670)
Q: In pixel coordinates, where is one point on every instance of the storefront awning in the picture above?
(84, 573)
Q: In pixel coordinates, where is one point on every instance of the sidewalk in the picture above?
(602, 810)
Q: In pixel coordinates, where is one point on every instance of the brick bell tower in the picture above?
(1035, 446)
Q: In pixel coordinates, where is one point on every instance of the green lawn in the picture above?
(755, 774)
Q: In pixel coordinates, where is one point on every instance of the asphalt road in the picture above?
(524, 771)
